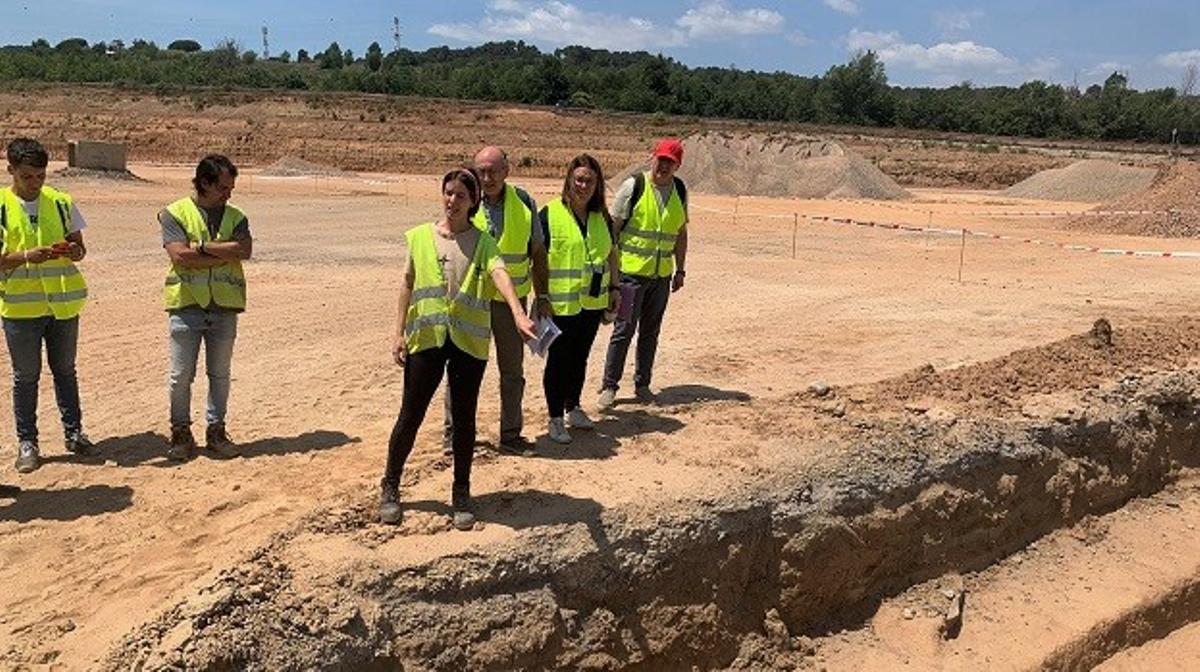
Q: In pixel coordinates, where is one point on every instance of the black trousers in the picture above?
(566, 365)
(422, 376)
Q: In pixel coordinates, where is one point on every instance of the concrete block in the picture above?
(95, 155)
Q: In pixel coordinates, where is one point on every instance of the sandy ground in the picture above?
(90, 549)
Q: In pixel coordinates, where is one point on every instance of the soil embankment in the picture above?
(909, 491)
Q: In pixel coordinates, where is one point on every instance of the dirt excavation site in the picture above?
(879, 442)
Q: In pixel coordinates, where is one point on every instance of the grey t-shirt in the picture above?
(495, 216)
(623, 208)
(173, 232)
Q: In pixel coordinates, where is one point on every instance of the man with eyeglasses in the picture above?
(507, 213)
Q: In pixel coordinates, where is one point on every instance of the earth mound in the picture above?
(788, 166)
(1089, 180)
(290, 166)
(1171, 205)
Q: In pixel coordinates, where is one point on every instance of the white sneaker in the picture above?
(577, 419)
(558, 431)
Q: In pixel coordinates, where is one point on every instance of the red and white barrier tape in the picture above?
(910, 228)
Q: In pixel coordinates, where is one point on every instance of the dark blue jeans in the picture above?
(24, 338)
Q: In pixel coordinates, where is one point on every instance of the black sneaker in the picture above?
(183, 444)
(77, 442)
(389, 503)
(216, 440)
(515, 446)
(464, 510)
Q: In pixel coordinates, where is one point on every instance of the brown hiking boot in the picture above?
(216, 440)
(182, 446)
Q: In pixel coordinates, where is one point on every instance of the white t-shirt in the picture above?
(78, 223)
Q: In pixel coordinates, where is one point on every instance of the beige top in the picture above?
(455, 254)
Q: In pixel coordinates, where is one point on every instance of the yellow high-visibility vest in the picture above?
(467, 315)
(514, 239)
(53, 287)
(224, 285)
(648, 239)
(574, 259)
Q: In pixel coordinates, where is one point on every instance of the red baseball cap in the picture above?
(669, 148)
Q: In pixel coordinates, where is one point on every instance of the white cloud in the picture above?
(563, 23)
(954, 22)
(1107, 68)
(941, 57)
(843, 6)
(560, 23)
(715, 19)
(1178, 60)
(798, 39)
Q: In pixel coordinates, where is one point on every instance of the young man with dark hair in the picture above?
(206, 239)
(44, 293)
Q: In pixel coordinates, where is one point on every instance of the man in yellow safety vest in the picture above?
(207, 239)
(507, 213)
(650, 216)
(44, 293)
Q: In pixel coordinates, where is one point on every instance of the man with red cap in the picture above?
(650, 219)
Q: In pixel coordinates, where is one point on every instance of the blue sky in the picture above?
(922, 42)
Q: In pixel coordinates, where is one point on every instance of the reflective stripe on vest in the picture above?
(514, 239)
(648, 238)
(55, 286)
(467, 318)
(574, 260)
(224, 285)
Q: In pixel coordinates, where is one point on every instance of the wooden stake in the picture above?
(795, 228)
(962, 252)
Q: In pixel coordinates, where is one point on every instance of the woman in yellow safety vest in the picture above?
(444, 326)
(584, 275)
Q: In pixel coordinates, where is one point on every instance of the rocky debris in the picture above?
(98, 174)
(952, 623)
(819, 388)
(1102, 334)
(1089, 180)
(780, 166)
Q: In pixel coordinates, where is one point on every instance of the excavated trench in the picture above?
(744, 581)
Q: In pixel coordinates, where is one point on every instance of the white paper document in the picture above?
(546, 332)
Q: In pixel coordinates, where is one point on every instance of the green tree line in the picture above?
(856, 92)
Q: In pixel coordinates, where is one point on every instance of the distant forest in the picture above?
(856, 93)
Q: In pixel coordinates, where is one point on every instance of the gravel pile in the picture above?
(1091, 181)
(98, 174)
(778, 165)
(1173, 197)
(290, 166)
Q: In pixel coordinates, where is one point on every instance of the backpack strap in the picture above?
(64, 216)
(639, 187)
(682, 189)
